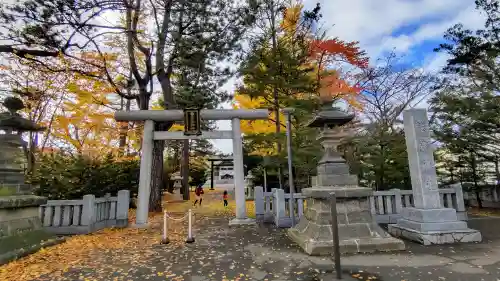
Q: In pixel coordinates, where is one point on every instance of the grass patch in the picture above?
(5, 191)
(23, 240)
(484, 212)
(212, 205)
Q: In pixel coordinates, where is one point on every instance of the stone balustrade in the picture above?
(66, 217)
(386, 206)
(263, 204)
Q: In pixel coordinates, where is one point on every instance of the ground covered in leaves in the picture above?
(221, 252)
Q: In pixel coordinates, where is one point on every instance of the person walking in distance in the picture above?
(198, 192)
(224, 197)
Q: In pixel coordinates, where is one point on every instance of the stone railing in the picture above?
(274, 207)
(282, 212)
(386, 206)
(83, 216)
(263, 204)
(490, 197)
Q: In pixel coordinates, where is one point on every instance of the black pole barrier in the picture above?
(335, 233)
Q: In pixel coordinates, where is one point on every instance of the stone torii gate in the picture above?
(149, 135)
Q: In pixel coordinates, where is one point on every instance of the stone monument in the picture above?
(176, 177)
(20, 226)
(357, 230)
(428, 222)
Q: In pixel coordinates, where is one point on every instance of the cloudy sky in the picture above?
(413, 28)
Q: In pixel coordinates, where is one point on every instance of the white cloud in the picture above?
(372, 23)
(224, 145)
(435, 62)
(469, 17)
(368, 20)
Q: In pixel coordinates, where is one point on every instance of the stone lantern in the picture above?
(249, 187)
(357, 230)
(11, 143)
(176, 177)
(19, 213)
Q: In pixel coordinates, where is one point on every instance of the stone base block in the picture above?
(430, 215)
(176, 197)
(325, 247)
(336, 180)
(121, 222)
(436, 237)
(246, 221)
(322, 192)
(432, 226)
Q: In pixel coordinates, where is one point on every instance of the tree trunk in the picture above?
(30, 152)
(381, 175)
(452, 175)
(124, 127)
(476, 185)
(497, 171)
(478, 199)
(185, 169)
(157, 182)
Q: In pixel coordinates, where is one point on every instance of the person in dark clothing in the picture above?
(224, 197)
(198, 193)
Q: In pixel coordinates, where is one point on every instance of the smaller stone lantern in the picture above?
(357, 230)
(20, 226)
(249, 187)
(176, 177)
(11, 153)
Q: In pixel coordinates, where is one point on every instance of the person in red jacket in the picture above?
(224, 197)
(198, 192)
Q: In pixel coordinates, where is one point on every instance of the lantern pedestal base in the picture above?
(357, 231)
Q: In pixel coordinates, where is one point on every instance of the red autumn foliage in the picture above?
(326, 51)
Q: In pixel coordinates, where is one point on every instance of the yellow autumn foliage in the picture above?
(255, 126)
(291, 18)
(331, 87)
(85, 121)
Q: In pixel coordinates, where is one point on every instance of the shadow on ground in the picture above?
(263, 252)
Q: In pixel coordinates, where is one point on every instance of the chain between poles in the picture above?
(166, 217)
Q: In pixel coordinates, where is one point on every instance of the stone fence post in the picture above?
(459, 193)
(279, 206)
(88, 211)
(122, 204)
(397, 200)
(259, 202)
